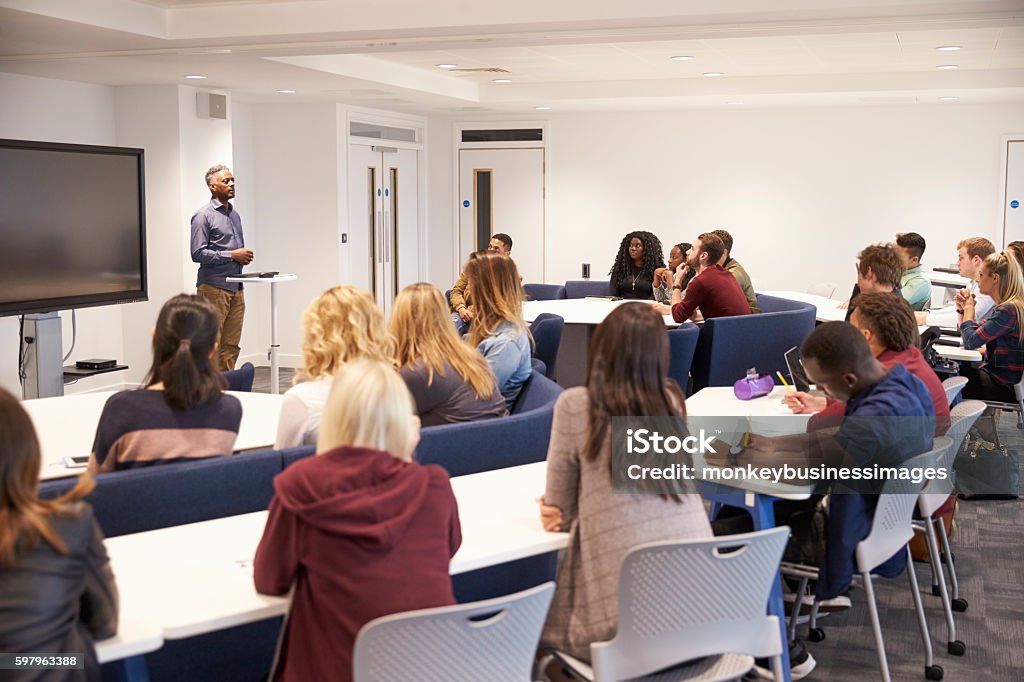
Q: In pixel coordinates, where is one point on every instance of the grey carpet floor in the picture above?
(989, 548)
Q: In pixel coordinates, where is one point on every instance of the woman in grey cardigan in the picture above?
(628, 363)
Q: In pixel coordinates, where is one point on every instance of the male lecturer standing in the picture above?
(219, 248)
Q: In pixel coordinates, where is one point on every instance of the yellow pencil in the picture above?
(746, 436)
(785, 383)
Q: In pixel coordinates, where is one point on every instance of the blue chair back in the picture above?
(581, 288)
(682, 343)
(544, 292)
(547, 336)
(290, 456)
(241, 379)
(484, 445)
(728, 346)
(165, 495)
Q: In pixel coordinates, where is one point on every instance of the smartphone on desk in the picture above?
(79, 462)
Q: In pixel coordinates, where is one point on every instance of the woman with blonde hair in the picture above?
(346, 525)
(57, 591)
(999, 331)
(341, 325)
(449, 380)
(497, 329)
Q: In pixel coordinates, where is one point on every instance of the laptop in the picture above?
(796, 370)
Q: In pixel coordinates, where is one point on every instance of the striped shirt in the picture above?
(999, 331)
(138, 428)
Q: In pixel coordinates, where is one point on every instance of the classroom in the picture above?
(556, 160)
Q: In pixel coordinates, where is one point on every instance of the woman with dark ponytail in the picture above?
(182, 413)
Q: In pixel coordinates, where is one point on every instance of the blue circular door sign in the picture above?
(465, 204)
(385, 192)
(1014, 204)
(378, 192)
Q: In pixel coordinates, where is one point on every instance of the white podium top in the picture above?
(581, 310)
(263, 280)
(66, 425)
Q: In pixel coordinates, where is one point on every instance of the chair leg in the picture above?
(952, 645)
(797, 604)
(931, 671)
(958, 603)
(876, 626)
(777, 668)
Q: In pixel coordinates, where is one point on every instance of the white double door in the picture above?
(502, 191)
(384, 230)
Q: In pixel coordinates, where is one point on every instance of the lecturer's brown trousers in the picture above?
(230, 307)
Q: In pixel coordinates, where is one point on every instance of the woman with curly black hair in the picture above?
(632, 275)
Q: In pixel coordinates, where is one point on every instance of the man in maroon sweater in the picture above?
(889, 325)
(714, 292)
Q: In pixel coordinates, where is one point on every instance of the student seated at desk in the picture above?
(713, 292)
(879, 271)
(360, 530)
(603, 525)
(970, 255)
(888, 324)
(57, 592)
(498, 330)
(339, 326)
(888, 419)
(999, 332)
(461, 303)
(638, 259)
(914, 285)
(663, 276)
(737, 271)
(449, 380)
(182, 413)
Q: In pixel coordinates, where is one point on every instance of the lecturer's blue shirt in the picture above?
(216, 232)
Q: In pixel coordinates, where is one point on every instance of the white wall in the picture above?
(61, 111)
(801, 190)
(296, 189)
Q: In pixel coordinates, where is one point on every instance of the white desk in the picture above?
(829, 311)
(581, 317)
(275, 381)
(581, 310)
(197, 578)
(133, 638)
(947, 279)
(66, 425)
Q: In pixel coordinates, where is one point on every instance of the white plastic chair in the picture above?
(891, 531)
(953, 386)
(494, 639)
(692, 610)
(934, 495)
(825, 289)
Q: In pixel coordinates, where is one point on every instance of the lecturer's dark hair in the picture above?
(184, 337)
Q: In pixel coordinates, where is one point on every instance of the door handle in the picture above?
(387, 236)
(377, 232)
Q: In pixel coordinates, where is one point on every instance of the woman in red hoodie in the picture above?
(348, 526)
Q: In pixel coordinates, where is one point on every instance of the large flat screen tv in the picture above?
(72, 226)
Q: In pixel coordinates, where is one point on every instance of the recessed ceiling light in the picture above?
(947, 67)
(286, 92)
(948, 48)
(501, 80)
(446, 66)
(681, 58)
(714, 74)
(542, 108)
(948, 99)
(734, 102)
(196, 77)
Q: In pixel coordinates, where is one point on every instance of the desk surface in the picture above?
(66, 425)
(581, 310)
(263, 280)
(829, 311)
(197, 578)
(133, 638)
(947, 279)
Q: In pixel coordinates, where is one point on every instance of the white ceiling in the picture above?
(606, 55)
